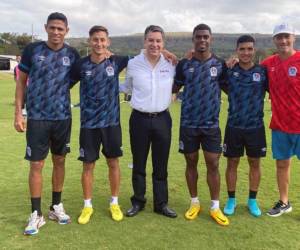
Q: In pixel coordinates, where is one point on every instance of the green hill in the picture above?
(179, 43)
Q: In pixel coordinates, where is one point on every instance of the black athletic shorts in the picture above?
(91, 139)
(253, 140)
(42, 135)
(190, 140)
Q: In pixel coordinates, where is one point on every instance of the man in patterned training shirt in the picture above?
(100, 117)
(202, 78)
(247, 85)
(47, 65)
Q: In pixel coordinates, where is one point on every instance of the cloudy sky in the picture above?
(123, 17)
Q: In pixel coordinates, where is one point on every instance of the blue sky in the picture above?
(123, 17)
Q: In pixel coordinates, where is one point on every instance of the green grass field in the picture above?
(147, 230)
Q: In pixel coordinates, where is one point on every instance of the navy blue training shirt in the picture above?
(48, 94)
(99, 90)
(202, 81)
(246, 93)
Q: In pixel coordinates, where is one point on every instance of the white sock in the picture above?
(195, 200)
(114, 200)
(88, 203)
(215, 204)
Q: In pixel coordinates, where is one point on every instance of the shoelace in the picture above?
(61, 212)
(116, 209)
(32, 219)
(279, 204)
(85, 213)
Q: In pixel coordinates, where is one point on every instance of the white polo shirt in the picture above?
(151, 88)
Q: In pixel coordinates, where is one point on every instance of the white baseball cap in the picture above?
(283, 28)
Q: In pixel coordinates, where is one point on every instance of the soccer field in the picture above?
(147, 230)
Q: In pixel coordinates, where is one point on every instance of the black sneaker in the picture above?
(279, 209)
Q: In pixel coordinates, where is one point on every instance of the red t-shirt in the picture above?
(284, 85)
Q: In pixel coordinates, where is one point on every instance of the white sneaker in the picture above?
(34, 223)
(59, 215)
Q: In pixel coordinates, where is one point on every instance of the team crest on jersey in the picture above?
(236, 74)
(66, 61)
(88, 73)
(41, 58)
(292, 71)
(256, 77)
(110, 70)
(213, 71)
(191, 70)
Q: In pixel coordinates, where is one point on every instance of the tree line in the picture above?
(177, 42)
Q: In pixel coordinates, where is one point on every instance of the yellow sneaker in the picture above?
(219, 217)
(116, 212)
(85, 215)
(193, 211)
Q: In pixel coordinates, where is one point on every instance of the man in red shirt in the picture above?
(284, 83)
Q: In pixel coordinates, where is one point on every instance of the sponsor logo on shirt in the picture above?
(88, 73)
(213, 71)
(164, 71)
(41, 58)
(292, 71)
(256, 77)
(236, 74)
(66, 61)
(110, 71)
(224, 147)
(191, 70)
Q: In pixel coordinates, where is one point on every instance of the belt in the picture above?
(150, 114)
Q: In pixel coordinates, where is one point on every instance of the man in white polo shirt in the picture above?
(149, 79)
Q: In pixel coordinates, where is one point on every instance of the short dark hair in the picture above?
(201, 26)
(154, 28)
(98, 28)
(58, 16)
(245, 39)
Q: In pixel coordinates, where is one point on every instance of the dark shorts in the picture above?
(90, 141)
(42, 135)
(253, 140)
(190, 140)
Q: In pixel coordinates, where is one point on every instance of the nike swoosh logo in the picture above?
(220, 219)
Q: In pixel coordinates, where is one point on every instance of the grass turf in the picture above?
(147, 230)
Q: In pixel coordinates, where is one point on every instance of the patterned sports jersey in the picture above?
(99, 90)
(246, 93)
(284, 84)
(48, 94)
(201, 97)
